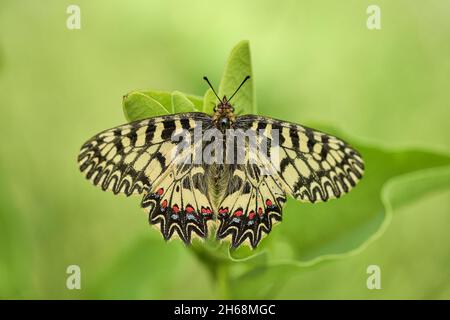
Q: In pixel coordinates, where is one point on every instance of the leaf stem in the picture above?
(217, 266)
(222, 281)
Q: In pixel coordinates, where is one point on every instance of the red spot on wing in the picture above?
(251, 215)
(268, 202)
(260, 211)
(164, 204)
(206, 210)
(223, 210)
(189, 209)
(175, 208)
(160, 191)
(238, 212)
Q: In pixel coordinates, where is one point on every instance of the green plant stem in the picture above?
(217, 266)
(222, 281)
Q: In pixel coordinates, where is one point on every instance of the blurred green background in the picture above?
(314, 62)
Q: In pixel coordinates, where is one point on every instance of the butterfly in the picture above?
(238, 200)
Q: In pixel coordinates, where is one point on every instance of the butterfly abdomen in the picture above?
(217, 176)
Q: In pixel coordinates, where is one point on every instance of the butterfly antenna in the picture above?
(246, 78)
(210, 85)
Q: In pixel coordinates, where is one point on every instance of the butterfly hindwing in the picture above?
(179, 204)
(252, 204)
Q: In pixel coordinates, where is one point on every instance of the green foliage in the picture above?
(180, 103)
(144, 104)
(237, 68)
(239, 65)
(139, 105)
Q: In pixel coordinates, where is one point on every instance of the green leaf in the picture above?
(146, 104)
(180, 103)
(239, 66)
(413, 255)
(209, 102)
(196, 100)
(137, 106)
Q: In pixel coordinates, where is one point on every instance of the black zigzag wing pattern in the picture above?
(311, 165)
(252, 204)
(129, 158)
(179, 204)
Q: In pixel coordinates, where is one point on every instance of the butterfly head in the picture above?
(224, 112)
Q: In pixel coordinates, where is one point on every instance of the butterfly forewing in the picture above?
(312, 166)
(130, 158)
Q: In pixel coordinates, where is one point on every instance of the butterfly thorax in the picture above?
(224, 117)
